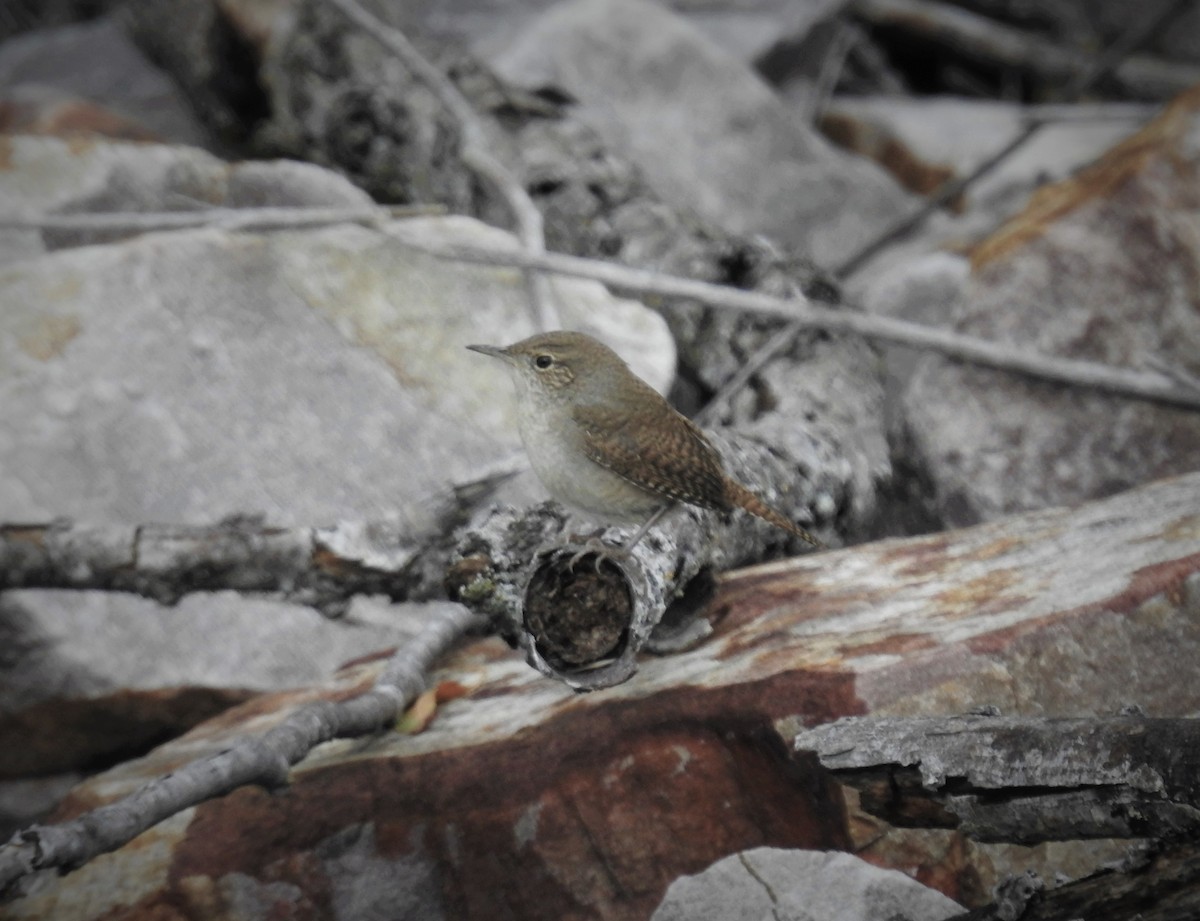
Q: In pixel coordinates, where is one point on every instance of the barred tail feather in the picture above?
(738, 495)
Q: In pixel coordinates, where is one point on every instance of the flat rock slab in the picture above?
(553, 805)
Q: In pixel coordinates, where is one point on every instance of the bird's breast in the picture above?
(554, 443)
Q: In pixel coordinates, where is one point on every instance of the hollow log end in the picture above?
(578, 616)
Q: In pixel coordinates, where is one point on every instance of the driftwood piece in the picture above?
(1028, 780)
(585, 624)
(321, 567)
(1021, 779)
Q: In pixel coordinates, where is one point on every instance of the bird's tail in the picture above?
(738, 495)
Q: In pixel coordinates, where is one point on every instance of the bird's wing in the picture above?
(668, 456)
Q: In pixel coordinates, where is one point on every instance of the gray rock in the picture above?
(310, 376)
(50, 176)
(23, 802)
(770, 884)
(97, 61)
(88, 644)
(708, 134)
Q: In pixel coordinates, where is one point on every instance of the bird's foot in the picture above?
(594, 546)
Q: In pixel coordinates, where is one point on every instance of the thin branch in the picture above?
(946, 192)
(1138, 34)
(474, 149)
(1146, 385)
(832, 65)
(230, 219)
(1181, 376)
(750, 367)
(257, 759)
(321, 567)
(1167, 387)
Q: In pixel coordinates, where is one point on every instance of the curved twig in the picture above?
(259, 759)
(474, 150)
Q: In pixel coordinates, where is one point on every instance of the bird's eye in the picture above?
(542, 362)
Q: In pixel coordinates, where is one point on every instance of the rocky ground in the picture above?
(244, 453)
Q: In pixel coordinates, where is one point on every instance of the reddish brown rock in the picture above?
(522, 799)
(34, 110)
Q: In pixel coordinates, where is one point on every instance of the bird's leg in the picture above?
(641, 532)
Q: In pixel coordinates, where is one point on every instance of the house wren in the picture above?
(603, 440)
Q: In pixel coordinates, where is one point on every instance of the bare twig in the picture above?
(1146, 385)
(258, 759)
(832, 64)
(1124, 45)
(750, 367)
(1181, 376)
(947, 192)
(268, 218)
(474, 149)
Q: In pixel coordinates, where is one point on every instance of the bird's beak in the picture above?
(493, 350)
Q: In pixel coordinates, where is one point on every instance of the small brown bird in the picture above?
(603, 440)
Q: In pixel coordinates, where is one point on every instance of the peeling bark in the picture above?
(1023, 780)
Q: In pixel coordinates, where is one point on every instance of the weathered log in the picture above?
(1021, 779)
(322, 567)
